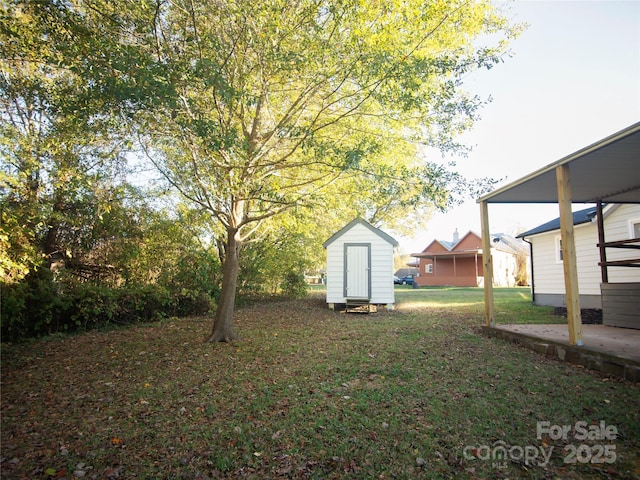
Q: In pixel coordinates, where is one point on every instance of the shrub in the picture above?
(191, 303)
(13, 311)
(294, 285)
(97, 306)
(32, 307)
(36, 307)
(91, 306)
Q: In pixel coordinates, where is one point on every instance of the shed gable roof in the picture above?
(360, 221)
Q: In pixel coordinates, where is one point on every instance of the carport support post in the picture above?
(487, 266)
(569, 261)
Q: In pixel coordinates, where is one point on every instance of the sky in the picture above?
(573, 79)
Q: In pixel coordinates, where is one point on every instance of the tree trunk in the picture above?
(223, 322)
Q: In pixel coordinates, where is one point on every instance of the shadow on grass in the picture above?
(308, 393)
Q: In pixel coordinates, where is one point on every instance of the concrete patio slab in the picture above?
(610, 350)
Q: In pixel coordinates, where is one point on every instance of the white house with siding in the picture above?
(621, 222)
(360, 266)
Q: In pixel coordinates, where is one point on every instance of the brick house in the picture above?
(459, 262)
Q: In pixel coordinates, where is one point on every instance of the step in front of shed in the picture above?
(358, 305)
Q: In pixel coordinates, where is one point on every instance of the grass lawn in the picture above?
(311, 393)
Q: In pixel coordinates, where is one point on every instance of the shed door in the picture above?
(357, 273)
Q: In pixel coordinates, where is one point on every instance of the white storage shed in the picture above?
(360, 266)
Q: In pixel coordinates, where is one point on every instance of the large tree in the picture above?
(278, 100)
(261, 107)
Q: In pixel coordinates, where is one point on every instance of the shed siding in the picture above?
(381, 265)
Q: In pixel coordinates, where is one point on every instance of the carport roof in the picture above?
(608, 170)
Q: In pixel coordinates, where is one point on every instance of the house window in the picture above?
(428, 268)
(635, 229)
(559, 257)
